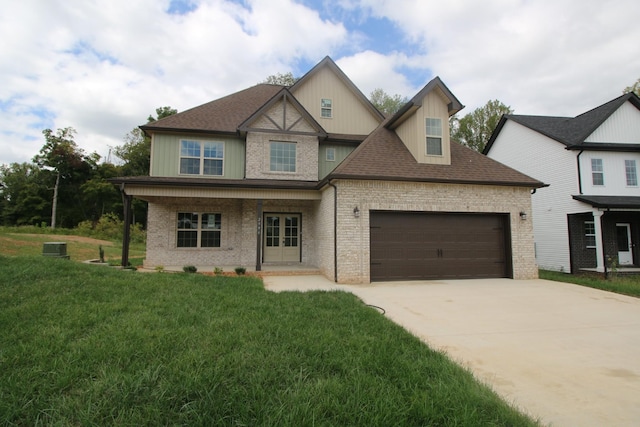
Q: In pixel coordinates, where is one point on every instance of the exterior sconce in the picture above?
(523, 216)
(356, 212)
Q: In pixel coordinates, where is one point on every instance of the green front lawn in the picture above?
(88, 345)
(626, 285)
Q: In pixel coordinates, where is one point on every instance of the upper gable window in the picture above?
(331, 154)
(201, 158)
(631, 173)
(434, 136)
(282, 156)
(326, 108)
(597, 172)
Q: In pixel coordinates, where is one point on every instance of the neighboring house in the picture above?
(314, 175)
(589, 217)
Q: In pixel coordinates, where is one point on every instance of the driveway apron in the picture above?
(566, 354)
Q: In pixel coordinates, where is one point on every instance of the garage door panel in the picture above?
(408, 245)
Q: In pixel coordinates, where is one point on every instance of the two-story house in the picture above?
(589, 217)
(314, 175)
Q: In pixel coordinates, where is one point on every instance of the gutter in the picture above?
(335, 230)
(579, 172)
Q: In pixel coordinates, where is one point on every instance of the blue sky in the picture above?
(103, 67)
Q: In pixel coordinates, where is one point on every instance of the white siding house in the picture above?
(589, 216)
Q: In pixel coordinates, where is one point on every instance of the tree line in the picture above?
(63, 185)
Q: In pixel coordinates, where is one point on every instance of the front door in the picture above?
(623, 234)
(282, 238)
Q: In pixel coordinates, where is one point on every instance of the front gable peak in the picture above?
(283, 114)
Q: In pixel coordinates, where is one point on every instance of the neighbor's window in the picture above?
(434, 137)
(199, 230)
(201, 158)
(326, 108)
(589, 234)
(331, 154)
(631, 172)
(597, 172)
(282, 157)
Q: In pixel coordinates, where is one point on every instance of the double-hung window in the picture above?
(201, 158)
(199, 230)
(597, 172)
(326, 108)
(282, 156)
(331, 154)
(434, 136)
(631, 173)
(589, 234)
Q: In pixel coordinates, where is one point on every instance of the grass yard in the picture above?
(79, 248)
(626, 285)
(88, 345)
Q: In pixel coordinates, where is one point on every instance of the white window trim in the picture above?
(428, 135)
(329, 109)
(202, 158)
(295, 143)
(601, 172)
(587, 235)
(635, 169)
(199, 231)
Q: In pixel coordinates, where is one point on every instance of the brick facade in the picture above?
(353, 234)
(258, 152)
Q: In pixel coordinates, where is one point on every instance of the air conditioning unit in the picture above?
(55, 250)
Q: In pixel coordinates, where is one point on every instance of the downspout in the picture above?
(126, 232)
(335, 231)
(579, 172)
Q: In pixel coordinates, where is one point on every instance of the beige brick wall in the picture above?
(238, 234)
(258, 151)
(324, 233)
(353, 234)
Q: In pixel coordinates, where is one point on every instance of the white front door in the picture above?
(625, 253)
(282, 238)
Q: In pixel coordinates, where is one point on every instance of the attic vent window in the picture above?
(326, 108)
(434, 137)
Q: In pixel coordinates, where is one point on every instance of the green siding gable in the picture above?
(165, 155)
(325, 166)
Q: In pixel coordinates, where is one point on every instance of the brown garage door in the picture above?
(417, 245)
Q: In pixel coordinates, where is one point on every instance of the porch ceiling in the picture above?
(611, 202)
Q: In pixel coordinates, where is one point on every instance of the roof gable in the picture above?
(222, 116)
(283, 113)
(572, 132)
(383, 156)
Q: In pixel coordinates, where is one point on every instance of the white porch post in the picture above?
(597, 223)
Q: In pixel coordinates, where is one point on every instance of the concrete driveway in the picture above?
(565, 354)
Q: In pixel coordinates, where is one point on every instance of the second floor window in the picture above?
(597, 172)
(326, 108)
(434, 137)
(201, 158)
(631, 172)
(331, 154)
(282, 156)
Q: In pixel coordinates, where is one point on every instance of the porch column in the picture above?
(126, 232)
(597, 223)
(259, 236)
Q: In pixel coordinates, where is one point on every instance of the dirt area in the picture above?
(65, 237)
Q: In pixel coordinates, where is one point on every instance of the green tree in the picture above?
(70, 165)
(24, 195)
(635, 88)
(475, 129)
(286, 79)
(386, 103)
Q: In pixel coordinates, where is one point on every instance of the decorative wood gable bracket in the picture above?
(283, 114)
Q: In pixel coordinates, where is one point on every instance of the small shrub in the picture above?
(159, 268)
(240, 271)
(189, 269)
(218, 271)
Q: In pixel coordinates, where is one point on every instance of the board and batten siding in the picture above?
(349, 115)
(614, 172)
(545, 160)
(325, 166)
(622, 127)
(413, 132)
(165, 155)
